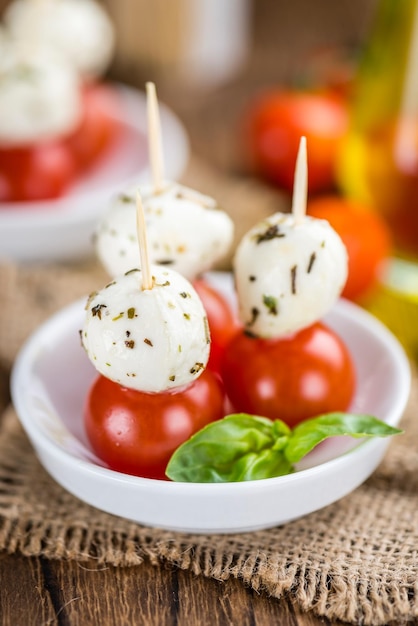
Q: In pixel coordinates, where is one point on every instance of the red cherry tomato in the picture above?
(99, 126)
(292, 378)
(136, 433)
(223, 323)
(39, 172)
(275, 124)
(365, 235)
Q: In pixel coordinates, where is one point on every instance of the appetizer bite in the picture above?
(289, 271)
(187, 231)
(147, 335)
(288, 274)
(149, 338)
(40, 106)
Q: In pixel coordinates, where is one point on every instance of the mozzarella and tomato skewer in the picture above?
(187, 231)
(151, 339)
(40, 106)
(289, 271)
(147, 335)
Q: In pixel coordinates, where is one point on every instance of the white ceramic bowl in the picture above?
(48, 393)
(62, 229)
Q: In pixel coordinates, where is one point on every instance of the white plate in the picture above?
(62, 229)
(50, 381)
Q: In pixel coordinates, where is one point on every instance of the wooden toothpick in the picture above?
(147, 282)
(154, 137)
(300, 185)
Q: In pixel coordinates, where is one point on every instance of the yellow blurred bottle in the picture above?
(379, 159)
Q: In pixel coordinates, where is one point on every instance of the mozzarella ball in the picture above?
(40, 98)
(288, 274)
(79, 30)
(186, 231)
(151, 340)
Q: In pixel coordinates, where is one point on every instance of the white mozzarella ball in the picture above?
(185, 230)
(79, 30)
(288, 274)
(40, 98)
(150, 340)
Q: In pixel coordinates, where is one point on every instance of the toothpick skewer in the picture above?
(154, 137)
(300, 185)
(147, 282)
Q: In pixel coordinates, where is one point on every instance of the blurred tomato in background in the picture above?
(274, 124)
(99, 125)
(37, 172)
(365, 235)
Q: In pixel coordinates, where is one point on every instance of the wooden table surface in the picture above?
(38, 592)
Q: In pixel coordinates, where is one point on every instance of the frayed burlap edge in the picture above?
(353, 561)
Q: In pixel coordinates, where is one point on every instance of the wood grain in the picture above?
(38, 592)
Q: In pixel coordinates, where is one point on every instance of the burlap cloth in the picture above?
(355, 560)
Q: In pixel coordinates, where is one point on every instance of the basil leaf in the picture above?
(238, 447)
(308, 434)
(244, 447)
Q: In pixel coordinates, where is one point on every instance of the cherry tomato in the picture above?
(365, 235)
(223, 323)
(38, 172)
(99, 125)
(136, 433)
(275, 124)
(292, 378)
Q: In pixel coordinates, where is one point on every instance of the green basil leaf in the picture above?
(238, 447)
(308, 434)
